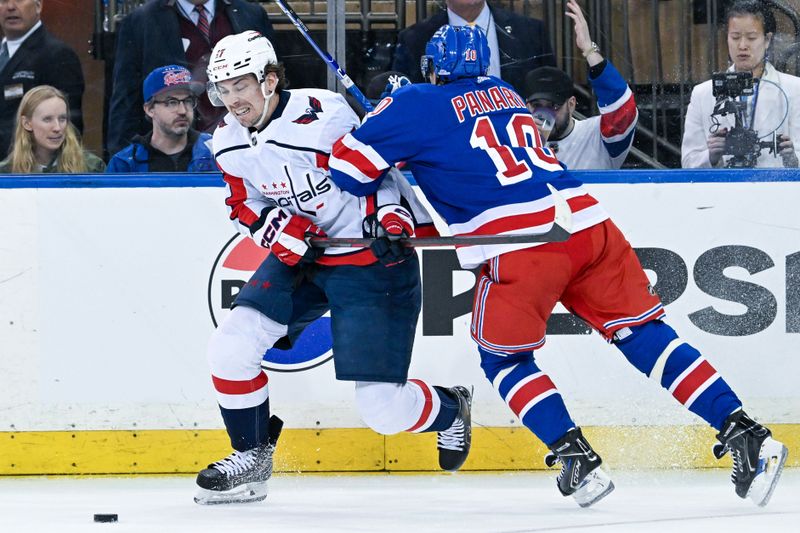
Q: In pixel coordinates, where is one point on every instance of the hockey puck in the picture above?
(106, 518)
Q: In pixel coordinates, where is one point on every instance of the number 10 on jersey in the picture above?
(522, 133)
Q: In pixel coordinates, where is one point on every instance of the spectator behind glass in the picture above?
(30, 56)
(170, 98)
(751, 27)
(518, 44)
(44, 138)
(171, 32)
(599, 142)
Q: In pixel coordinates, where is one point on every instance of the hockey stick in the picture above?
(559, 232)
(351, 87)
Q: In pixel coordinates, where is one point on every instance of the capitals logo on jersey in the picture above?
(310, 115)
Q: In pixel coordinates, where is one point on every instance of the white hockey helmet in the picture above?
(248, 52)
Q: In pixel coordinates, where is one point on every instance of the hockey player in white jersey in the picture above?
(599, 142)
(273, 148)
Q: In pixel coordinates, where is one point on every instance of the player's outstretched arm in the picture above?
(390, 134)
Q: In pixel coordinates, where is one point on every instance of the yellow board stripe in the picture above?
(354, 450)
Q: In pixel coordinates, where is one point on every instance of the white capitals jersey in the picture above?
(602, 141)
(286, 165)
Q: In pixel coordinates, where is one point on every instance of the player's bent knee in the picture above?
(647, 345)
(493, 363)
(381, 407)
(237, 346)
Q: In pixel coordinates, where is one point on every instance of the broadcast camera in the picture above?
(743, 143)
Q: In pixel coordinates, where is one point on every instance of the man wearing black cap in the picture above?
(599, 142)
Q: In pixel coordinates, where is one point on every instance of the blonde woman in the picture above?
(44, 138)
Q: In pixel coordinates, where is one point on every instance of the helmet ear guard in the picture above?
(426, 66)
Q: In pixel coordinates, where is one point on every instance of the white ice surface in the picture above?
(657, 501)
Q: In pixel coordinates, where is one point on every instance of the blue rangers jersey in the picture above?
(285, 164)
(475, 152)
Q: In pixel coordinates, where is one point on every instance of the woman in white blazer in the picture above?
(773, 108)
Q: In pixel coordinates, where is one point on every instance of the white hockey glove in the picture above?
(395, 82)
(287, 236)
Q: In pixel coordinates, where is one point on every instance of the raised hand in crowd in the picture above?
(583, 39)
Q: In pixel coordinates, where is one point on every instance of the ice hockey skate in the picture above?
(758, 459)
(242, 476)
(454, 442)
(581, 476)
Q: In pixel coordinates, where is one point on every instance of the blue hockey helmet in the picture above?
(456, 52)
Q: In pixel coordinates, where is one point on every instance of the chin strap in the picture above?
(266, 104)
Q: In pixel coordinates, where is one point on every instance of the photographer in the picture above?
(770, 117)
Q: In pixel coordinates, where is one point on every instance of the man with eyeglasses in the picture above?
(599, 142)
(171, 32)
(170, 98)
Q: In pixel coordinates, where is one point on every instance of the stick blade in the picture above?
(563, 215)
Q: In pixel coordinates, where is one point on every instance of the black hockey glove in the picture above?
(390, 252)
(388, 226)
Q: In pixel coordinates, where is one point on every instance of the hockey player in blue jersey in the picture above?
(476, 154)
(272, 148)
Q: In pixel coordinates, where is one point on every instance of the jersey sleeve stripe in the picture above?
(621, 146)
(322, 161)
(236, 200)
(619, 102)
(620, 121)
(357, 159)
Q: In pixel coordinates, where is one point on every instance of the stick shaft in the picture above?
(351, 87)
(556, 234)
